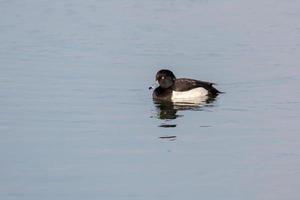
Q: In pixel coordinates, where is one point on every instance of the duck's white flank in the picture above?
(189, 95)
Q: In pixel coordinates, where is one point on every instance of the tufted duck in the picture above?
(182, 89)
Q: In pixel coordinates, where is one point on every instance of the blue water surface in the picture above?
(77, 120)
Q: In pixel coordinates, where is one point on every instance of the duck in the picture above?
(175, 89)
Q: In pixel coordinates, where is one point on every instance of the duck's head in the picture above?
(165, 78)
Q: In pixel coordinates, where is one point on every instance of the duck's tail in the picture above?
(214, 92)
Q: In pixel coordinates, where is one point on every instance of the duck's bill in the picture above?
(154, 85)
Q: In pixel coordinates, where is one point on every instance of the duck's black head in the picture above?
(165, 78)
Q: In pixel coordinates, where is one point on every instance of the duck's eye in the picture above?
(162, 77)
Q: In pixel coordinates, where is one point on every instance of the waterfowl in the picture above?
(182, 89)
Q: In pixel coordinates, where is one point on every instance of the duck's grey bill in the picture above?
(154, 85)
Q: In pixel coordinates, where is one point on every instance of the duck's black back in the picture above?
(185, 84)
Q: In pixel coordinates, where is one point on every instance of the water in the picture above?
(77, 120)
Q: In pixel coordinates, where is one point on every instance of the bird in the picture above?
(182, 89)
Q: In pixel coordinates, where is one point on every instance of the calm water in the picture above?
(77, 120)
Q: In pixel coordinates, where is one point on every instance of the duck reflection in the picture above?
(167, 110)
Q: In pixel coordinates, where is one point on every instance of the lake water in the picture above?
(77, 120)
